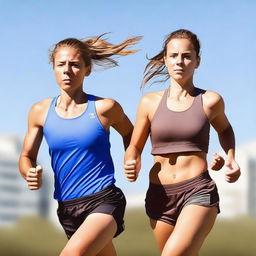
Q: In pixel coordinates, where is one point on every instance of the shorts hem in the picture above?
(172, 223)
(119, 227)
(109, 201)
(204, 205)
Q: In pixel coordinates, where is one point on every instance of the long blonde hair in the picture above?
(97, 50)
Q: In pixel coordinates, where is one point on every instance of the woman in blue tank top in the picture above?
(76, 127)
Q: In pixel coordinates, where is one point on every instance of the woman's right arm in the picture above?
(28, 157)
(132, 159)
(215, 109)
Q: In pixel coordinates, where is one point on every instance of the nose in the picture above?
(66, 69)
(179, 59)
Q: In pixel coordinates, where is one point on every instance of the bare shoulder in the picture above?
(105, 105)
(152, 98)
(39, 111)
(149, 104)
(109, 111)
(40, 106)
(211, 99)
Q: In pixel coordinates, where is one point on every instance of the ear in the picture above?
(198, 61)
(88, 70)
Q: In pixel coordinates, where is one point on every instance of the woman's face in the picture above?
(181, 59)
(69, 68)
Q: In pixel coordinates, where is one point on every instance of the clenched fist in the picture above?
(130, 167)
(34, 177)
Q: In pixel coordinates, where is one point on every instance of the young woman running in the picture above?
(182, 200)
(76, 127)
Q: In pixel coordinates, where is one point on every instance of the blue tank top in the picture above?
(80, 152)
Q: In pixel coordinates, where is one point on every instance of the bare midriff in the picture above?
(176, 167)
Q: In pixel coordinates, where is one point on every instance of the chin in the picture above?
(66, 86)
(178, 77)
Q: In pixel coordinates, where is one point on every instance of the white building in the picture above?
(239, 198)
(15, 199)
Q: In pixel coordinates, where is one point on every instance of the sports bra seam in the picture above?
(202, 107)
(157, 109)
(173, 143)
(199, 146)
(183, 111)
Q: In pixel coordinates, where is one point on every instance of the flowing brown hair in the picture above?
(156, 66)
(97, 50)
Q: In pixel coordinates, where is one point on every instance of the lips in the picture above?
(66, 80)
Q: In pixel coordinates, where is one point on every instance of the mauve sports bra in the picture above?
(184, 131)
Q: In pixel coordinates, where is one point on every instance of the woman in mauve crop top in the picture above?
(182, 199)
(76, 128)
(184, 131)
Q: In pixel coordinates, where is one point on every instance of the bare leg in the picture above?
(192, 227)
(109, 250)
(94, 237)
(162, 231)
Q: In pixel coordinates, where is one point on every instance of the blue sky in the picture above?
(227, 31)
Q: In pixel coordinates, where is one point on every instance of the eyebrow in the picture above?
(182, 52)
(72, 61)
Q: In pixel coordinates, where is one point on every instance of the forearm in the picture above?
(227, 141)
(25, 163)
(132, 153)
(127, 140)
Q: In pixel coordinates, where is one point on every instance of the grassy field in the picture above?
(33, 236)
(228, 238)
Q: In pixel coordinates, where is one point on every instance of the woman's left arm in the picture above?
(112, 115)
(123, 126)
(215, 109)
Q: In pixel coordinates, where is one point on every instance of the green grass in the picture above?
(228, 238)
(137, 239)
(232, 238)
(33, 236)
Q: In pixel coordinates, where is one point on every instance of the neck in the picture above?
(181, 90)
(70, 99)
